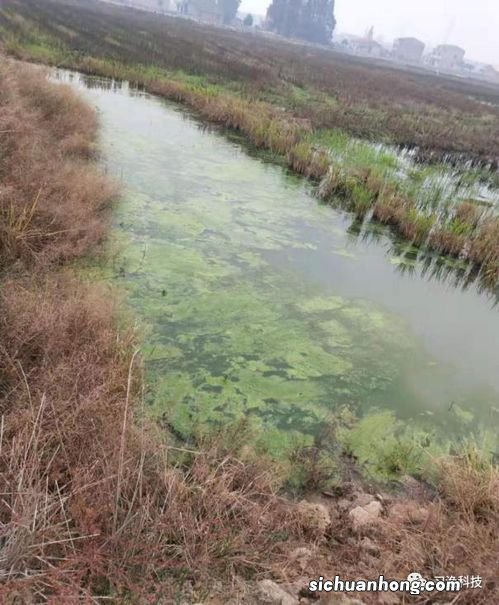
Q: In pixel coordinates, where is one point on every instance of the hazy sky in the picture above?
(472, 24)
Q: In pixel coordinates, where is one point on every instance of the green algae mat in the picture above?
(259, 303)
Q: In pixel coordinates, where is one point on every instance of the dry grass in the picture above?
(90, 503)
(457, 534)
(51, 200)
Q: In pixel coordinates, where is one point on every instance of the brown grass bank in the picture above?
(50, 199)
(95, 504)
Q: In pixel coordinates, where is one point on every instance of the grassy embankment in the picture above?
(300, 107)
(94, 504)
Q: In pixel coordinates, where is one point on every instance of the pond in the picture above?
(261, 303)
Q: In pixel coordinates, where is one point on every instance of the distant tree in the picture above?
(284, 16)
(311, 20)
(182, 6)
(276, 15)
(230, 8)
(317, 21)
(248, 20)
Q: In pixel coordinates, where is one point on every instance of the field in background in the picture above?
(368, 100)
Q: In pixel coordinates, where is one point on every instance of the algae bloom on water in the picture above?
(261, 304)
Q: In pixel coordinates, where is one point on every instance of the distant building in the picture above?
(368, 47)
(409, 50)
(446, 57)
(360, 46)
(481, 70)
(208, 11)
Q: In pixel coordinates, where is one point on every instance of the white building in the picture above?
(446, 57)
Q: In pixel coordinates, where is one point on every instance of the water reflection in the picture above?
(85, 81)
(423, 263)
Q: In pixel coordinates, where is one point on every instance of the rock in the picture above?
(408, 513)
(358, 498)
(363, 516)
(301, 556)
(417, 490)
(270, 593)
(343, 504)
(362, 499)
(315, 517)
(370, 547)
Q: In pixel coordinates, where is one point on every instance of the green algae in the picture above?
(386, 448)
(232, 349)
(338, 334)
(239, 352)
(318, 304)
(210, 243)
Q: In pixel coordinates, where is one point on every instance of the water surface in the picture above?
(262, 303)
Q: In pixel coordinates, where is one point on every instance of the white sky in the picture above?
(472, 24)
